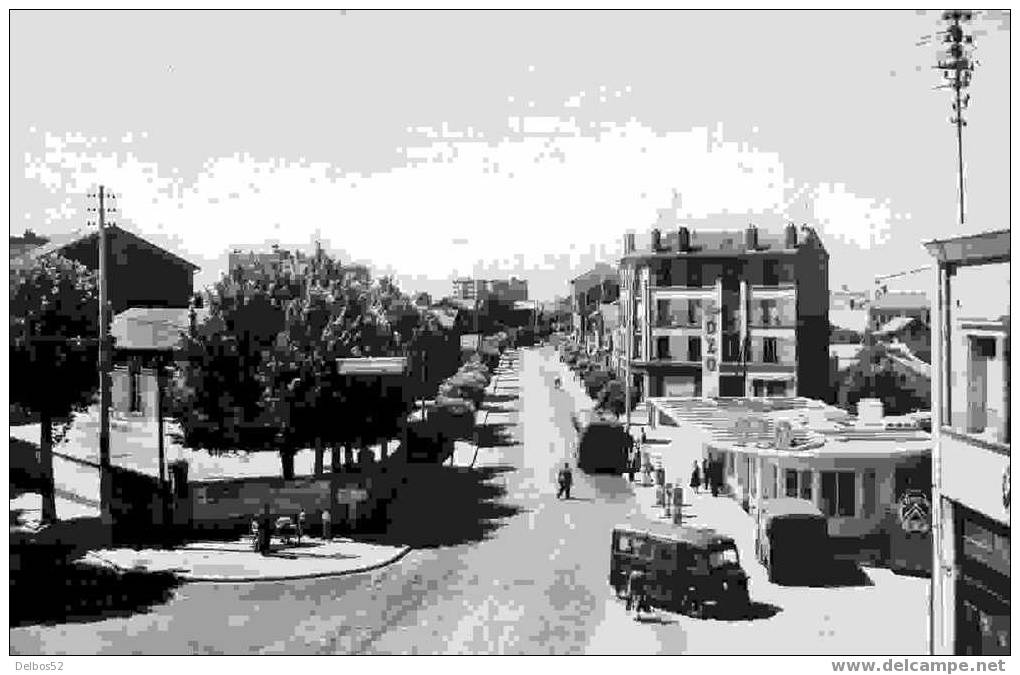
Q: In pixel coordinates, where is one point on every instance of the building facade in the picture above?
(141, 274)
(508, 290)
(971, 460)
(727, 314)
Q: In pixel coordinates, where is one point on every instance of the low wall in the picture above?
(230, 505)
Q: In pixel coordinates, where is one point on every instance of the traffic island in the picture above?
(236, 561)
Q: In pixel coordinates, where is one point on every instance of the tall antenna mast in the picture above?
(957, 67)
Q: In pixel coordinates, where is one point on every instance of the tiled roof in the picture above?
(901, 300)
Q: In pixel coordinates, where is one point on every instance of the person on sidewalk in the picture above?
(327, 526)
(644, 439)
(705, 473)
(300, 526)
(695, 477)
(566, 479)
(265, 530)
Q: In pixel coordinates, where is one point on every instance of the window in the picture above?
(694, 312)
(806, 486)
(693, 274)
(136, 391)
(769, 313)
(771, 275)
(694, 349)
(625, 544)
(662, 347)
(723, 557)
(731, 348)
(662, 318)
(838, 494)
(791, 483)
(770, 350)
(868, 486)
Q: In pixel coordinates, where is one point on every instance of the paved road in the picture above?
(536, 585)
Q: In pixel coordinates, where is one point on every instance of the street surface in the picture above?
(538, 584)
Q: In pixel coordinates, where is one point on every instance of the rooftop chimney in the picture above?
(751, 238)
(628, 243)
(791, 236)
(683, 240)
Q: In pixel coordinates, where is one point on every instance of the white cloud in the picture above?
(530, 195)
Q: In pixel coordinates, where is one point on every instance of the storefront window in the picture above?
(791, 483)
(983, 606)
(838, 493)
(805, 486)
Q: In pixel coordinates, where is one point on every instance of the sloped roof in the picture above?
(61, 242)
(901, 300)
(895, 325)
(152, 328)
(849, 319)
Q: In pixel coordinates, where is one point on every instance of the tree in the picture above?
(612, 397)
(54, 310)
(595, 381)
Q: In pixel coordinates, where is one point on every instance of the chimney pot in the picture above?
(751, 238)
(791, 236)
(684, 240)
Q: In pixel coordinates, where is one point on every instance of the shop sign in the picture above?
(351, 495)
(915, 513)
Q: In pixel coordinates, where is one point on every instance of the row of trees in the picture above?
(261, 372)
(258, 373)
(603, 386)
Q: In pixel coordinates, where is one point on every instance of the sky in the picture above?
(438, 144)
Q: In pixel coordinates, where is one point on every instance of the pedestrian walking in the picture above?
(300, 526)
(565, 480)
(327, 526)
(696, 477)
(705, 475)
(644, 439)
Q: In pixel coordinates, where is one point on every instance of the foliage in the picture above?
(612, 397)
(53, 349)
(595, 381)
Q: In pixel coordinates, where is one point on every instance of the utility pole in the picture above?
(629, 336)
(957, 67)
(105, 475)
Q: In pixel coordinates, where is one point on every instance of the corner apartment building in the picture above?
(728, 313)
(971, 455)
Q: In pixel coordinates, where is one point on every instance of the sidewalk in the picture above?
(465, 453)
(235, 561)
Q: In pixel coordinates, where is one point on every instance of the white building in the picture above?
(971, 459)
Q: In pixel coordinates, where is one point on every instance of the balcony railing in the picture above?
(677, 322)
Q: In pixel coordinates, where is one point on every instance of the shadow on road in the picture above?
(752, 612)
(611, 488)
(437, 505)
(838, 574)
(495, 435)
(501, 398)
(67, 592)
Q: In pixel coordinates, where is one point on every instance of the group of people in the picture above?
(262, 528)
(707, 476)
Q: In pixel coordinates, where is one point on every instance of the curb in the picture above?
(474, 458)
(211, 579)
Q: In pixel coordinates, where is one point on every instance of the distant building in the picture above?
(589, 294)
(423, 300)
(141, 273)
(845, 299)
(971, 424)
(509, 290)
(888, 306)
(728, 313)
(21, 246)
